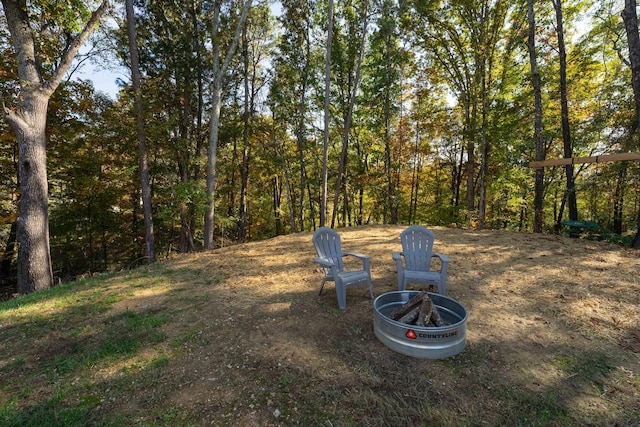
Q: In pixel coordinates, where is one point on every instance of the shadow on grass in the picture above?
(292, 358)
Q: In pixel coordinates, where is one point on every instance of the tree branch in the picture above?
(75, 45)
(236, 37)
(10, 115)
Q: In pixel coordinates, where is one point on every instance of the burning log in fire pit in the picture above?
(420, 311)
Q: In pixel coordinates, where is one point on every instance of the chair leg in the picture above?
(341, 292)
(442, 287)
(322, 286)
(370, 289)
(401, 284)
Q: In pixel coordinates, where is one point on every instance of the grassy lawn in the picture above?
(239, 336)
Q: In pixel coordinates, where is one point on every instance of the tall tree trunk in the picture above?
(456, 178)
(618, 199)
(301, 133)
(362, 159)
(415, 173)
(142, 137)
(199, 49)
(287, 180)
(302, 184)
(480, 82)
(566, 129)
(347, 124)
(216, 104)
(276, 203)
(184, 158)
(630, 18)
(34, 260)
(539, 142)
(469, 136)
(231, 178)
(244, 169)
(28, 121)
(327, 101)
(482, 197)
(391, 213)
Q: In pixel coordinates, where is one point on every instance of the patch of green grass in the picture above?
(37, 311)
(129, 331)
(529, 409)
(14, 365)
(158, 362)
(188, 338)
(45, 414)
(472, 361)
(170, 417)
(284, 382)
(587, 366)
(122, 335)
(191, 338)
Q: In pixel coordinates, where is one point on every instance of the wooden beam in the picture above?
(593, 159)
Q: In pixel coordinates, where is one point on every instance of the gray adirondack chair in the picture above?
(417, 252)
(327, 244)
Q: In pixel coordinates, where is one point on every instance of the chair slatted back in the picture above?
(417, 246)
(327, 244)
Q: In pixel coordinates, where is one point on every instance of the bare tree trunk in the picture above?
(216, 104)
(302, 185)
(469, 135)
(276, 203)
(566, 129)
(28, 120)
(539, 143)
(142, 137)
(347, 124)
(482, 196)
(630, 18)
(199, 49)
(244, 168)
(482, 60)
(415, 173)
(300, 133)
(327, 100)
(618, 199)
(34, 260)
(456, 178)
(391, 213)
(287, 180)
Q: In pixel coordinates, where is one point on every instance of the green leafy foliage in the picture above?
(68, 16)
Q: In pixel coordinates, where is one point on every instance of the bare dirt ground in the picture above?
(553, 338)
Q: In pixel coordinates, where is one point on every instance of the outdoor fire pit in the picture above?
(425, 342)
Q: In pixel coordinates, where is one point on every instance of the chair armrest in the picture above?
(366, 263)
(444, 263)
(354, 254)
(397, 257)
(443, 258)
(325, 263)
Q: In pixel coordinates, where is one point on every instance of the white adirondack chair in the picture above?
(327, 244)
(417, 252)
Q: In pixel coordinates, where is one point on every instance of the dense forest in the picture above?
(243, 120)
